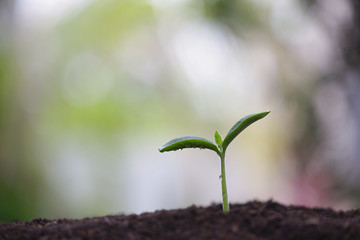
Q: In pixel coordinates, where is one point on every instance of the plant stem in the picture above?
(223, 184)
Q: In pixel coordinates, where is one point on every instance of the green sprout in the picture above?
(219, 148)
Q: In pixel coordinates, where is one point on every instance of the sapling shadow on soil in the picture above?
(219, 148)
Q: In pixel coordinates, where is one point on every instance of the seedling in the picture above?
(219, 148)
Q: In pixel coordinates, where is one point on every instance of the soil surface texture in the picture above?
(253, 220)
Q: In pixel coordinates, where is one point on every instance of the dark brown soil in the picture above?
(253, 220)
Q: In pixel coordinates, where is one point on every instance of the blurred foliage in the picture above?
(105, 24)
(237, 14)
(17, 200)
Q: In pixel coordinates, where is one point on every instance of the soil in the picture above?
(253, 221)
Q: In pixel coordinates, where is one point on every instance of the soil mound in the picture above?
(253, 220)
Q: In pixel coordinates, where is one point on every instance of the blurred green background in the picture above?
(90, 89)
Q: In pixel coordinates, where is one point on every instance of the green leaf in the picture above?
(218, 139)
(241, 125)
(188, 142)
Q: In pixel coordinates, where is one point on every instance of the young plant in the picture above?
(219, 148)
